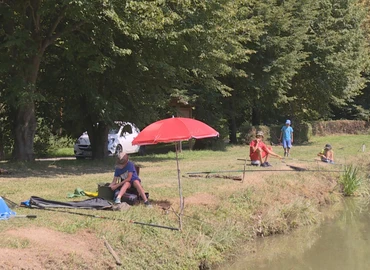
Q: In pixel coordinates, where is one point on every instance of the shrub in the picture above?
(350, 181)
(248, 133)
(302, 132)
(322, 128)
(45, 141)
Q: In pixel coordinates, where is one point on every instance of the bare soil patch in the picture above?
(48, 249)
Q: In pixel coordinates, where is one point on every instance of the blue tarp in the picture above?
(5, 211)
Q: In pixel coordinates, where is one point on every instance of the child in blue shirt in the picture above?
(286, 135)
(125, 176)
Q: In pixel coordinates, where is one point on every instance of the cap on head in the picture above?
(327, 146)
(287, 122)
(259, 133)
(122, 158)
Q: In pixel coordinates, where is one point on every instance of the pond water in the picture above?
(342, 243)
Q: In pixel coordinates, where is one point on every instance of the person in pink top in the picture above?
(259, 152)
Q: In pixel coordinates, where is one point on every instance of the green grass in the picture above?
(219, 213)
(350, 180)
(61, 152)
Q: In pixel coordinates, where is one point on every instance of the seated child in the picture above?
(125, 176)
(259, 152)
(327, 154)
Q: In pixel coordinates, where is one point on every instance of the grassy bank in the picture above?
(220, 213)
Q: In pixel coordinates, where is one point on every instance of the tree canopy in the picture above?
(80, 65)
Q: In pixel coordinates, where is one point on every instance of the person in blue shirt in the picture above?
(286, 136)
(125, 176)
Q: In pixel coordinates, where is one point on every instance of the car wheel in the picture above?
(118, 149)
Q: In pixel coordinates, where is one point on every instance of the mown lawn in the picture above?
(220, 213)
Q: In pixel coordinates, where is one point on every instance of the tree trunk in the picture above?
(98, 135)
(232, 130)
(255, 116)
(2, 152)
(25, 115)
(231, 120)
(25, 130)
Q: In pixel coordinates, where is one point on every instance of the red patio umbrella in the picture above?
(174, 129)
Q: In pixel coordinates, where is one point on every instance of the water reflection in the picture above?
(340, 243)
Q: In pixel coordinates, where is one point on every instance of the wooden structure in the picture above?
(183, 109)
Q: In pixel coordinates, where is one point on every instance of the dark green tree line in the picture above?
(82, 65)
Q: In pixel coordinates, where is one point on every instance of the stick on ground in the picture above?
(111, 250)
(24, 216)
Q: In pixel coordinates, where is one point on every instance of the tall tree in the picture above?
(277, 31)
(28, 29)
(338, 55)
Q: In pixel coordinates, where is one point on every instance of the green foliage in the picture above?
(350, 180)
(248, 133)
(48, 142)
(243, 61)
(338, 54)
(323, 128)
(302, 132)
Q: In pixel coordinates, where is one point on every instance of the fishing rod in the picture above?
(109, 218)
(270, 170)
(214, 172)
(274, 170)
(285, 159)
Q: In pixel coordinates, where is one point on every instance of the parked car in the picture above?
(119, 139)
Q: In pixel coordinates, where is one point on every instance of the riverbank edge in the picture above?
(323, 204)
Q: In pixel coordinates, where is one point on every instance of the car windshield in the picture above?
(113, 131)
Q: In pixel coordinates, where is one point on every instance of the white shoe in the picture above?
(117, 200)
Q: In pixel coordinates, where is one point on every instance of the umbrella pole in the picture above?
(180, 189)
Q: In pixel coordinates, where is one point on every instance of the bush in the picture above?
(42, 142)
(216, 144)
(322, 128)
(45, 141)
(248, 133)
(350, 181)
(302, 132)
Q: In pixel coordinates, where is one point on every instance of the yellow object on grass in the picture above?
(91, 194)
(79, 192)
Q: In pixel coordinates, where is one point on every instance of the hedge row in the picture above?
(303, 131)
(322, 128)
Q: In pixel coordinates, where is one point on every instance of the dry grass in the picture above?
(219, 212)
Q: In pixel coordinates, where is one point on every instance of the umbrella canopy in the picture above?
(173, 130)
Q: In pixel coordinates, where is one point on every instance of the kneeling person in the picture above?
(125, 176)
(259, 152)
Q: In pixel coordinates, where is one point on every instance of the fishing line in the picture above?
(109, 218)
(197, 219)
(272, 170)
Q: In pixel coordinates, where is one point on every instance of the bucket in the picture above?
(105, 192)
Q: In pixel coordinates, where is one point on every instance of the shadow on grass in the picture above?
(65, 166)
